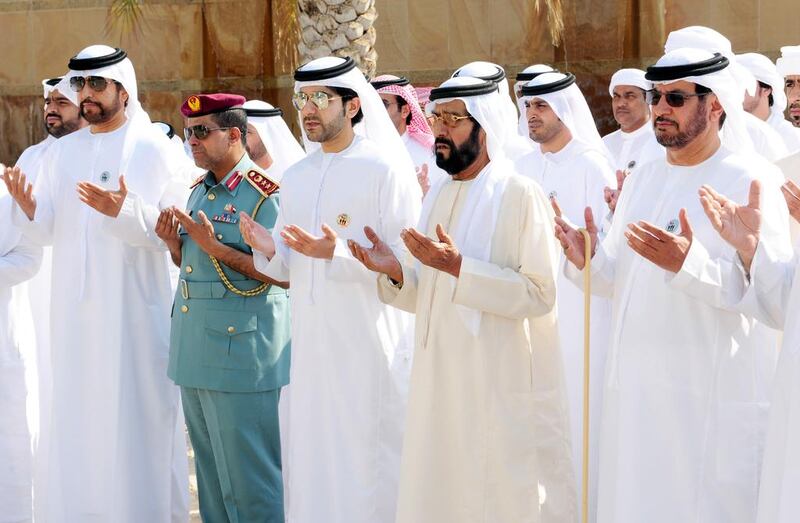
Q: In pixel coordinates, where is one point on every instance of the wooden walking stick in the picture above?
(587, 297)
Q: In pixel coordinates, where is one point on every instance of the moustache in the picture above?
(443, 141)
(54, 115)
(308, 119)
(661, 119)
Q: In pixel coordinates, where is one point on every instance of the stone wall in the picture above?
(245, 46)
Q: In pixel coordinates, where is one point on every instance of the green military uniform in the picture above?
(229, 352)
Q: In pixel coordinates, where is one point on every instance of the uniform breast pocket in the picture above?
(231, 340)
(228, 233)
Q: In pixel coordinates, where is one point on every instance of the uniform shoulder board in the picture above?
(198, 181)
(262, 183)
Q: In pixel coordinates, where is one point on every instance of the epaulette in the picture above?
(262, 183)
(198, 181)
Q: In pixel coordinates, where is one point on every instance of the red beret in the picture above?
(203, 104)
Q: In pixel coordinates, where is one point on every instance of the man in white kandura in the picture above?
(119, 450)
(487, 435)
(351, 354)
(687, 378)
(572, 166)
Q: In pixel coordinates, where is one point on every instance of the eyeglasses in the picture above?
(448, 119)
(200, 131)
(97, 83)
(674, 98)
(320, 98)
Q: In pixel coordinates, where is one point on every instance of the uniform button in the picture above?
(219, 236)
(189, 269)
(184, 308)
(231, 329)
(212, 196)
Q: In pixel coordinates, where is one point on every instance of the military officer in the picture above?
(229, 342)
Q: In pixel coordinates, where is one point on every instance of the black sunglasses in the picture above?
(97, 83)
(674, 98)
(200, 131)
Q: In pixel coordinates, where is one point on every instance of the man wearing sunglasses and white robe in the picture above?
(351, 354)
(119, 450)
(687, 378)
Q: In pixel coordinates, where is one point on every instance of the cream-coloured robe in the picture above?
(487, 429)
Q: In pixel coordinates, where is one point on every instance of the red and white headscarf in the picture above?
(418, 129)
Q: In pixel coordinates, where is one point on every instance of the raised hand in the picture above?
(662, 248)
(202, 232)
(379, 257)
(102, 200)
(442, 255)
(791, 193)
(612, 195)
(167, 228)
(256, 236)
(19, 189)
(739, 225)
(303, 242)
(572, 241)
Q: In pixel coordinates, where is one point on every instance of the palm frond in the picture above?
(555, 18)
(124, 17)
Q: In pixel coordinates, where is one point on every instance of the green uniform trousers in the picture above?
(237, 454)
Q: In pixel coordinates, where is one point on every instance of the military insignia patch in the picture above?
(198, 181)
(194, 103)
(672, 226)
(262, 183)
(343, 220)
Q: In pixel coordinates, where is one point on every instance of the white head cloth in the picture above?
(723, 85)
(523, 77)
(633, 77)
(515, 145)
(473, 234)
(62, 86)
(699, 37)
(570, 106)
(789, 62)
(170, 133)
(766, 72)
(277, 138)
(376, 124)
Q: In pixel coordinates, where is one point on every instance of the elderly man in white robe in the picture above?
(344, 413)
(766, 140)
(573, 168)
(770, 102)
(270, 143)
(487, 421)
(687, 378)
(119, 452)
(61, 116)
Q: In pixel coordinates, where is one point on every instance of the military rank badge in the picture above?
(672, 226)
(230, 208)
(343, 220)
(225, 218)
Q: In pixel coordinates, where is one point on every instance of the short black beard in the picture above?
(697, 124)
(104, 115)
(462, 156)
(66, 127)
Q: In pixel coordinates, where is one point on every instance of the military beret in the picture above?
(203, 104)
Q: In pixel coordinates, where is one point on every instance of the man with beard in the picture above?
(573, 169)
(687, 378)
(270, 143)
(344, 412)
(118, 450)
(61, 117)
(487, 420)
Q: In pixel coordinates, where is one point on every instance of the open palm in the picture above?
(739, 225)
(378, 258)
